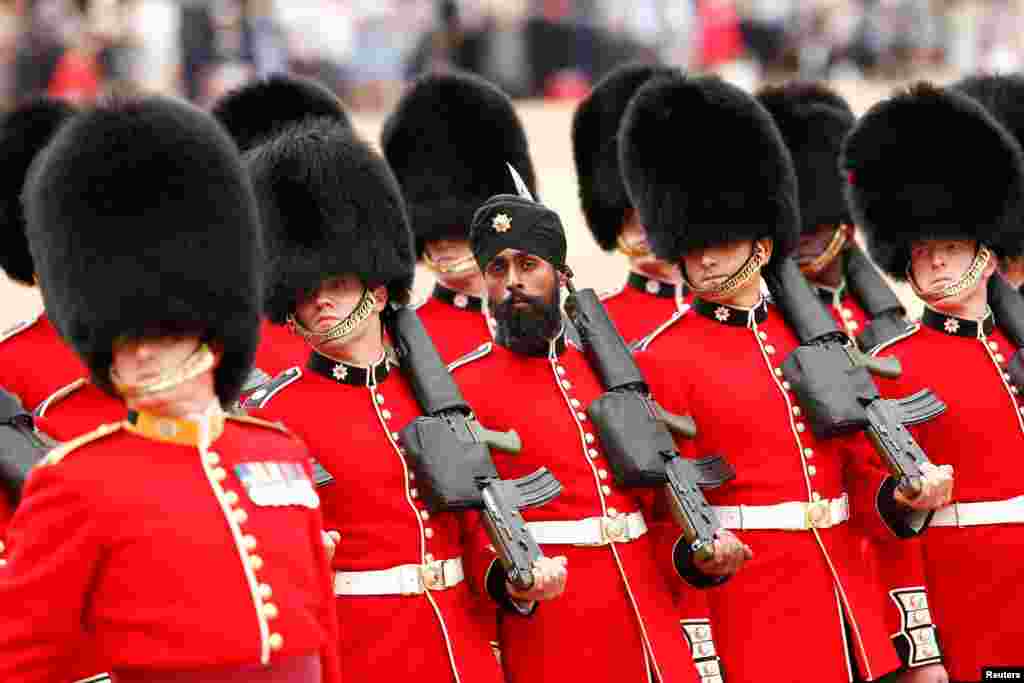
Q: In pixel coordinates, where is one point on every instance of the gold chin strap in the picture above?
(822, 260)
(633, 250)
(352, 322)
(969, 279)
(741, 277)
(201, 360)
(462, 265)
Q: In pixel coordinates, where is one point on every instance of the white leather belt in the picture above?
(592, 531)
(406, 579)
(795, 516)
(1009, 511)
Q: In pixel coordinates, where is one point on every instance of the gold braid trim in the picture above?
(633, 250)
(462, 265)
(822, 260)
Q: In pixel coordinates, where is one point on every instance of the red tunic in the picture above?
(352, 430)
(641, 305)
(721, 365)
(279, 348)
(454, 321)
(35, 361)
(898, 564)
(973, 573)
(617, 620)
(168, 555)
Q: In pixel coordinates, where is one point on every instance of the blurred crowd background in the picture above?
(552, 49)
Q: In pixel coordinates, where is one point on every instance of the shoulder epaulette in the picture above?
(58, 396)
(257, 422)
(475, 354)
(261, 397)
(60, 452)
(911, 331)
(609, 293)
(644, 342)
(19, 327)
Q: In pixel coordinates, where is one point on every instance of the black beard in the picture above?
(527, 331)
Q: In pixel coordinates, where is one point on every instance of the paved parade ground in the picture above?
(547, 126)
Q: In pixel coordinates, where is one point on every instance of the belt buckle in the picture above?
(819, 515)
(614, 529)
(432, 575)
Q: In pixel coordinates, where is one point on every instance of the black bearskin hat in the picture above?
(448, 141)
(814, 121)
(1002, 96)
(23, 133)
(595, 138)
(330, 206)
(142, 221)
(260, 109)
(903, 185)
(704, 164)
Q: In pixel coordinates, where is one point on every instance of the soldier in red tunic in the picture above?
(801, 503)
(938, 216)
(179, 543)
(34, 361)
(252, 114)
(654, 291)
(442, 141)
(814, 121)
(345, 254)
(618, 620)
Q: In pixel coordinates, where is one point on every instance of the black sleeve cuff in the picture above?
(496, 588)
(902, 521)
(682, 558)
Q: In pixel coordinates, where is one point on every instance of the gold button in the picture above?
(808, 453)
(428, 532)
(1006, 376)
(992, 345)
(270, 610)
(606, 490)
(394, 436)
(852, 325)
(603, 474)
(612, 512)
(796, 410)
(219, 474)
(1014, 390)
(428, 558)
(588, 437)
(424, 515)
(231, 498)
(574, 403)
(2, 546)
(763, 335)
(412, 476)
(240, 516)
(380, 398)
(786, 386)
(265, 591)
(275, 641)
(592, 452)
(249, 542)
(566, 384)
(769, 349)
(999, 358)
(560, 370)
(846, 313)
(414, 493)
(815, 496)
(386, 414)
(812, 470)
(581, 416)
(778, 372)
(212, 459)
(801, 427)
(256, 562)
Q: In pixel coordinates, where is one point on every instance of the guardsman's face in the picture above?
(711, 266)
(519, 275)
(137, 362)
(813, 243)
(936, 264)
(448, 251)
(333, 301)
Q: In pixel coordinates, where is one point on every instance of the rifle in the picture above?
(888, 317)
(832, 381)
(449, 450)
(1008, 307)
(634, 429)
(21, 446)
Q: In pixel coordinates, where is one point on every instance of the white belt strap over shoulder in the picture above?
(406, 579)
(794, 516)
(1009, 511)
(592, 531)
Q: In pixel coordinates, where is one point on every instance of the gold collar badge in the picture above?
(502, 223)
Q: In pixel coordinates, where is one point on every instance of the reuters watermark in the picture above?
(1002, 673)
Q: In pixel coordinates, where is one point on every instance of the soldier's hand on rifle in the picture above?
(549, 577)
(728, 556)
(331, 540)
(936, 488)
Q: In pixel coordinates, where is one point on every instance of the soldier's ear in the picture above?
(766, 245)
(380, 297)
